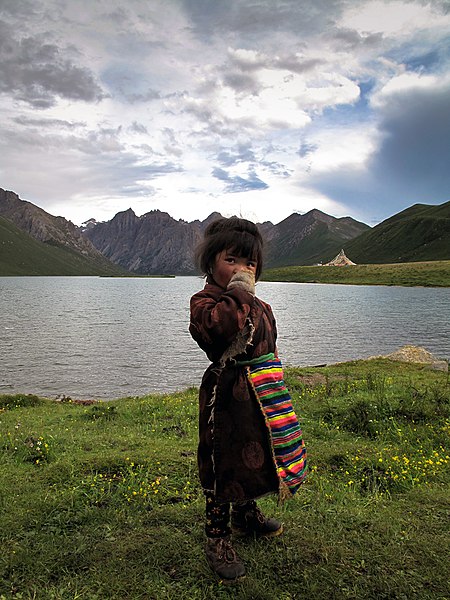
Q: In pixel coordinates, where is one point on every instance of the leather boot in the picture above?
(248, 519)
(223, 560)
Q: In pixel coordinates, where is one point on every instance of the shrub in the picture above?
(424, 405)
(10, 401)
(101, 411)
(360, 418)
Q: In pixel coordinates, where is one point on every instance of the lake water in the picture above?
(92, 337)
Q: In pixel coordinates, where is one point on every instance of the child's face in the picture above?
(227, 264)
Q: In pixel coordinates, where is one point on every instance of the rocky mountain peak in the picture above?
(42, 226)
(157, 243)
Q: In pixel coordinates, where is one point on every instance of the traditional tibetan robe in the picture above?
(250, 442)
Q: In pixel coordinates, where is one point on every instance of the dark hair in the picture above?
(240, 236)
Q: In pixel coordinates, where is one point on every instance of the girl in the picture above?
(250, 441)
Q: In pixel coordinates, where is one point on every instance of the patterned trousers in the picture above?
(217, 523)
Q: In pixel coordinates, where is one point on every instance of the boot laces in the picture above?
(225, 551)
(257, 513)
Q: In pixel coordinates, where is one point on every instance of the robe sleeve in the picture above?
(216, 320)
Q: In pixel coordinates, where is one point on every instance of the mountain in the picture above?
(420, 232)
(157, 243)
(89, 224)
(42, 226)
(21, 254)
(309, 238)
(33, 242)
(154, 243)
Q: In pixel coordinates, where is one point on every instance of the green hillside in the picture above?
(311, 249)
(419, 233)
(20, 254)
(309, 239)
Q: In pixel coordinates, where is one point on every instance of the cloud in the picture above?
(241, 154)
(248, 19)
(136, 127)
(414, 155)
(146, 96)
(236, 183)
(352, 39)
(48, 123)
(409, 157)
(37, 72)
(390, 18)
(88, 169)
(257, 104)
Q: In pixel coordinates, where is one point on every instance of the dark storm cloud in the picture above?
(258, 18)
(37, 72)
(411, 163)
(415, 152)
(352, 38)
(235, 183)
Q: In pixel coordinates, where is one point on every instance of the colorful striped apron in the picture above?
(266, 376)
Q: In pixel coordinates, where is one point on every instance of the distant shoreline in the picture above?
(418, 274)
(412, 274)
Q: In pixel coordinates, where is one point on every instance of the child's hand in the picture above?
(244, 279)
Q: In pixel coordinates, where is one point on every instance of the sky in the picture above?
(259, 108)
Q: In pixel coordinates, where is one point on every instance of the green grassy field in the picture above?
(102, 501)
(432, 274)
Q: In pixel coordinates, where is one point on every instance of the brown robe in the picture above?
(235, 456)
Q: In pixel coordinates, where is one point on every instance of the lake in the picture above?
(93, 337)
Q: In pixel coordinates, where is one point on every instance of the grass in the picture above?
(430, 274)
(418, 233)
(103, 501)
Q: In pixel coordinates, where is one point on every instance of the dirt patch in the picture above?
(312, 380)
(68, 399)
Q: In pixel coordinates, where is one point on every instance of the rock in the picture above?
(416, 354)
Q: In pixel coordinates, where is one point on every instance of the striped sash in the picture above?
(266, 375)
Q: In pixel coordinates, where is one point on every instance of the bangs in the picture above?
(244, 245)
